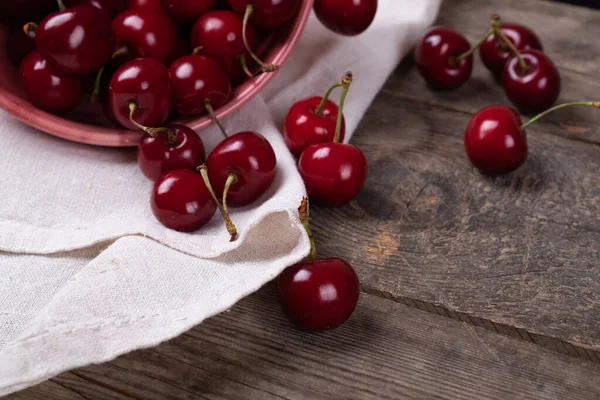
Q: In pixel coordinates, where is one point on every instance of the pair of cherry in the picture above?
(512, 52)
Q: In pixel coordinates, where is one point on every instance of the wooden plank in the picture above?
(521, 251)
(386, 351)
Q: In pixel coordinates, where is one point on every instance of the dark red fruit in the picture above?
(250, 157)
(346, 17)
(303, 127)
(76, 41)
(334, 173)
(19, 44)
(150, 5)
(318, 295)
(268, 14)
(221, 36)
(160, 154)
(495, 53)
(186, 11)
(494, 141)
(181, 201)
(111, 7)
(197, 79)
(144, 82)
(46, 89)
(146, 33)
(435, 56)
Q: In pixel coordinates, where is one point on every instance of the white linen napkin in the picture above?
(87, 273)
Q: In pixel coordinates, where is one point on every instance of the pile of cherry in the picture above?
(495, 139)
(137, 63)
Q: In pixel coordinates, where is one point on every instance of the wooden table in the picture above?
(475, 288)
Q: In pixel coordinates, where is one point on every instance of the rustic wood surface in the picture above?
(496, 277)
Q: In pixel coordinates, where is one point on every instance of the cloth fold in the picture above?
(87, 273)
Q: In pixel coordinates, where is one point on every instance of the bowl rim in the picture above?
(120, 137)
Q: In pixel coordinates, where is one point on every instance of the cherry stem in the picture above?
(197, 50)
(346, 81)
(244, 65)
(595, 104)
(228, 223)
(153, 132)
(304, 220)
(455, 60)
(264, 67)
(495, 20)
(61, 5)
(213, 116)
(319, 110)
(98, 81)
(231, 179)
(30, 27)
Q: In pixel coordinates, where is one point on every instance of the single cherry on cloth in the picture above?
(494, 52)
(146, 33)
(267, 14)
(45, 88)
(150, 5)
(196, 80)
(531, 81)
(311, 121)
(346, 17)
(220, 35)
(78, 40)
(20, 42)
(334, 173)
(145, 83)
(318, 295)
(186, 11)
(111, 7)
(181, 201)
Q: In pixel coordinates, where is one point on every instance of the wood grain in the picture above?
(386, 351)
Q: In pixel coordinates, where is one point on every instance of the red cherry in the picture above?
(251, 159)
(150, 5)
(111, 7)
(494, 53)
(220, 33)
(46, 89)
(176, 147)
(303, 126)
(186, 11)
(318, 295)
(146, 33)
(346, 17)
(76, 41)
(19, 43)
(181, 201)
(436, 57)
(494, 141)
(197, 80)
(145, 83)
(533, 90)
(267, 14)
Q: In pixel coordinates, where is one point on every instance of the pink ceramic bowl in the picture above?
(86, 124)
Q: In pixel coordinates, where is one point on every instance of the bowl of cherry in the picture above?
(95, 71)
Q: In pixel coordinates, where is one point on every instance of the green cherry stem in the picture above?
(61, 5)
(228, 223)
(346, 82)
(495, 21)
(304, 220)
(231, 179)
(244, 64)
(264, 67)
(319, 110)
(595, 104)
(213, 116)
(153, 132)
(468, 53)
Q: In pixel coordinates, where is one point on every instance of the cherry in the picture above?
(531, 81)
(181, 201)
(145, 83)
(220, 34)
(166, 149)
(197, 80)
(45, 88)
(334, 173)
(346, 17)
(444, 58)
(318, 295)
(311, 121)
(111, 7)
(267, 14)
(19, 43)
(146, 33)
(495, 53)
(186, 11)
(150, 5)
(75, 41)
